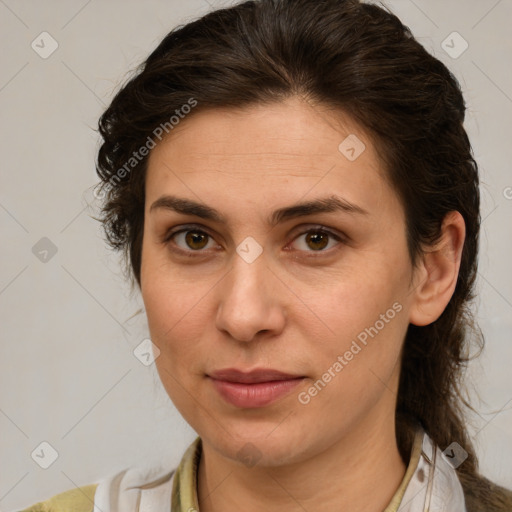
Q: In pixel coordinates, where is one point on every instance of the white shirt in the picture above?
(430, 484)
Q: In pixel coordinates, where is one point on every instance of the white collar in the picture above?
(434, 487)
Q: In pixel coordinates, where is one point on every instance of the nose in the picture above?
(251, 300)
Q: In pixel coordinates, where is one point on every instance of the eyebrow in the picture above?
(322, 205)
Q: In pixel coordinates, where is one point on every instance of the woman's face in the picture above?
(323, 296)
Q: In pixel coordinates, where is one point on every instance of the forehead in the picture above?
(268, 154)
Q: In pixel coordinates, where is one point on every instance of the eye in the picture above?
(191, 239)
(188, 240)
(316, 240)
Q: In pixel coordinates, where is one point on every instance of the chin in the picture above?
(261, 444)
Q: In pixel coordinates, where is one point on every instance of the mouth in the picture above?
(254, 389)
(255, 376)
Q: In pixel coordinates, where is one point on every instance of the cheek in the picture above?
(178, 310)
(363, 321)
(165, 291)
(357, 360)
(349, 301)
(175, 310)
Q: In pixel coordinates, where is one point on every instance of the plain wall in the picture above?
(68, 374)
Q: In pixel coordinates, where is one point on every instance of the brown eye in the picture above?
(188, 240)
(196, 239)
(316, 240)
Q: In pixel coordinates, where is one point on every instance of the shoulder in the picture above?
(483, 495)
(80, 499)
(126, 487)
(154, 484)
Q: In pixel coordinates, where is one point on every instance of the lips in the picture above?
(252, 377)
(257, 388)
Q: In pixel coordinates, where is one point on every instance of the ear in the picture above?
(437, 272)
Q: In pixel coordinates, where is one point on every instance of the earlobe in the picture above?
(436, 275)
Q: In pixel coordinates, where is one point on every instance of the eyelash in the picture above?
(192, 254)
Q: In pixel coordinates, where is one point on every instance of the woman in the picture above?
(296, 195)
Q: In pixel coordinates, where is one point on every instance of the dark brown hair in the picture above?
(360, 59)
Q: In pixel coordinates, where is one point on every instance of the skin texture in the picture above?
(295, 308)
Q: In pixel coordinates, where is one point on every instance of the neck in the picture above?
(361, 471)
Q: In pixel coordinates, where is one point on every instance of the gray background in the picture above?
(68, 375)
